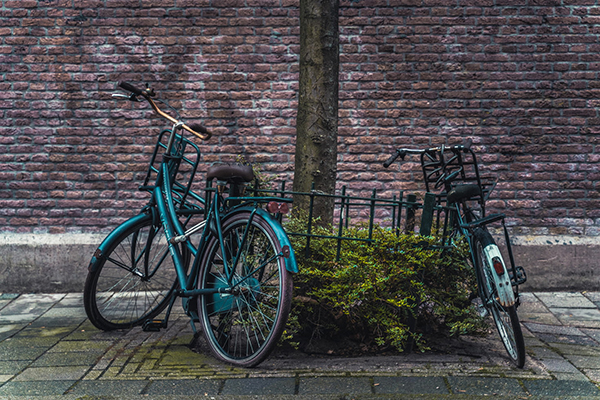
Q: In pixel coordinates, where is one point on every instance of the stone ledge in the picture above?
(53, 263)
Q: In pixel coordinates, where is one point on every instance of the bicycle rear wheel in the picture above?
(243, 326)
(133, 280)
(505, 318)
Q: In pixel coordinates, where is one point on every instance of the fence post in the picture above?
(343, 215)
(399, 216)
(411, 207)
(427, 217)
(372, 213)
(310, 214)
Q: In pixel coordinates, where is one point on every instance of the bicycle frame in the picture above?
(174, 231)
(441, 171)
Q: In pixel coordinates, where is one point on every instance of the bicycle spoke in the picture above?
(251, 316)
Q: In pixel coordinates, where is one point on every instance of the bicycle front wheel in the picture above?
(242, 326)
(505, 318)
(133, 280)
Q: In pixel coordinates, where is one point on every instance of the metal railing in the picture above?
(398, 214)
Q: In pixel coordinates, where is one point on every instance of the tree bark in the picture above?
(317, 120)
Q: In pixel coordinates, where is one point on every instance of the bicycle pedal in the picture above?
(520, 278)
(153, 326)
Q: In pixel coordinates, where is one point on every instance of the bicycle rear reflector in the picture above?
(498, 266)
(278, 208)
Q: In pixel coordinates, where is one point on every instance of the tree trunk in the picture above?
(317, 120)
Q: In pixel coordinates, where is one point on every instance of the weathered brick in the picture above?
(520, 82)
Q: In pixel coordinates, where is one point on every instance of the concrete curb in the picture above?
(47, 263)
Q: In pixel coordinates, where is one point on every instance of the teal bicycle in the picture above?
(453, 172)
(223, 253)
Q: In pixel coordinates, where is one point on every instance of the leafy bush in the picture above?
(388, 292)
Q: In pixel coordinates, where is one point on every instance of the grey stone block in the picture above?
(334, 385)
(483, 386)
(259, 386)
(409, 385)
(560, 388)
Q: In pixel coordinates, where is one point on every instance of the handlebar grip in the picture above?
(130, 88)
(391, 159)
(199, 128)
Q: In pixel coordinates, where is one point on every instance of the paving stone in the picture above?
(567, 339)
(485, 386)
(542, 353)
(54, 332)
(52, 373)
(409, 385)
(530, 304)
(13, 367)
(593, 374)
(578, 317)
(565, 376)
(565, 300)
(110, 388)
(39, 388)
(556, 388)
(71, 300)
(65, 313)
(593, 296)
(9, 330)
(593, 333)
(3, 303)
(548, 319)
(553, 329)
(81, 346)
(28, 307)
(259, 386)
(58, 359)
(181, 387)
(584, 361)
(11, 352)
(334, 385)
(568, 348)
(559, 365)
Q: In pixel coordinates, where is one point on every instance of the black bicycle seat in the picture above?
(463, 192)
(232, 173)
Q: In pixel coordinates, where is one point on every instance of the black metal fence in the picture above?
(399, 214)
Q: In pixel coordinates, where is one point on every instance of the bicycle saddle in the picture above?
(463, 192)
(232, 173)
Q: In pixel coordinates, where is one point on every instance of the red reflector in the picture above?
(498, 266)
(278, 208)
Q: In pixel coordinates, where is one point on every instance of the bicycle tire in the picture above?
(119, 291)
(242, 328)
(505, 318)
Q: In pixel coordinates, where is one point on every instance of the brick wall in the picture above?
(518, 77)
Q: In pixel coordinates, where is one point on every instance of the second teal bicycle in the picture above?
(223, 253)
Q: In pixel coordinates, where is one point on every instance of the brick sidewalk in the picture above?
(49, 348)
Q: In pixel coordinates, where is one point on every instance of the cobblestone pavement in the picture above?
(48, 349)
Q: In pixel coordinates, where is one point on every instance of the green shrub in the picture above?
(388, 292)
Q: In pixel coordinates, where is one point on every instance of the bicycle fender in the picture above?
(506, 296)
(289, 256)
(101, 250)
(290, 260)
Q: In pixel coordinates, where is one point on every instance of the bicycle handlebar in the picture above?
(196, 129)
(403, 152)
(130, 88)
